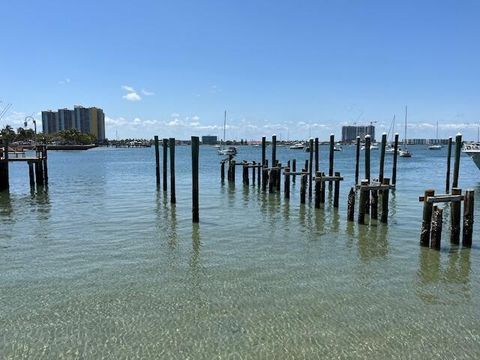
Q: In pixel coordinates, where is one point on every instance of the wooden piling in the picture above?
(362, 203)
(274, 150)
(382, 157)
(310, 170)
(455, 218)
(318, 188)
(351, 205)
(39, 172)
(367, 157)
(317, 155)
(286, 187)
(456, 164)
(374, 205)
(165, 159)
(171, 143)
(157, 162)
(303, 190)
(245, 173)
(271, 180)
(31, 174)
(278, 176)
(427, 219)
(4, 176)
(264, 150)
(294, 168)
(357, 159)
(222, 171)
(449, 159)
(395, 159)
(336, 191)
(437, 219)
(259, 175)
(385, 194)
(322, 189)
(45, 164)
(195, 188)
(330, 160)
(264, 178)
(232, 172)
(253, 172)
(468, 216)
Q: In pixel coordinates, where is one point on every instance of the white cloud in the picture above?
(64, 81)
(131, 95)
(147, 93)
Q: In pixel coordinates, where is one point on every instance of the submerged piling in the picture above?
(157, 162)
(449, 159)
(437, 219)
(351, 205)
(427, 219)
(173, 198)
(195, 189)
(385, 193)
(468, 216)
(310, 170)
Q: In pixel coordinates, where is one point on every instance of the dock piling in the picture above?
(173, 198)
(385, 194)
(456, 164)
(165, 159)
(357, 159)
(437, 219)
(427, 219)
(449, 159)
(395, 159)
(195, 187)
(468, 216)
(157, 162)
(330, 160)
(455, 218)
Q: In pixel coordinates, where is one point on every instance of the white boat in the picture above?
(231, 150)
(337, 148)
(372, 147)
(297, 146)
(436, 146)
(473, 150)
(404, 152)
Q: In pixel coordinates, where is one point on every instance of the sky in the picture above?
(291, 68)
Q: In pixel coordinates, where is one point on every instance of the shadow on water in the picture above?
(433, 276)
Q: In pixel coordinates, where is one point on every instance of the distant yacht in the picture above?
(297, 146)
(473, 150)
(436, 146)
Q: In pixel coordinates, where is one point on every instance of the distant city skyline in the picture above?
(293, 69)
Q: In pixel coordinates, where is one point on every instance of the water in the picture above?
(103, 266)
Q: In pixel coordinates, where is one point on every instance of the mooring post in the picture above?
(455, 217)
(427, 219)
(374, 205)
(157, 161)
(165, 156)
(351, 205)
(253, 172)
(303, 184)
(232, 171)
(278, 176)
(318, 187)
(468, 216)
(173, 198)
(395, 158)
(45, 164)
(385, 193)
(317, 155)
(436, 237)
(287, 183)
(259, 174)
(382, 157)
(195, 197)
(31, 174)
(4, 176)
(367, 157)
(264, 150)
(310, 170)
(222, 170)
(362, 203)
(271, 180)
(336, 191)
(294, 168)
(39, 168)
(264, 178)
(357, 160)
(322, 188)
(330, 160)
(456, 164)
(449, 156)
(274, 150)
(245, 173)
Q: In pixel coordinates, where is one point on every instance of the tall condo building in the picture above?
(86, 120)
(350, 133)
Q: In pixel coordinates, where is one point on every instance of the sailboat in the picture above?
(390, 149)
(436, 146)
(231, 150)
(404, 152)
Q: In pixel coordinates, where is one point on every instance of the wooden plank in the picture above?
(442, 198)
(329, 178)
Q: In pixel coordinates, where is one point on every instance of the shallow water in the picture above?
(102, 265)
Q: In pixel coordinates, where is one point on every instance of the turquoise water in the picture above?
(103, 266)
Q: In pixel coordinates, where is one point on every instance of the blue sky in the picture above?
(292, 68)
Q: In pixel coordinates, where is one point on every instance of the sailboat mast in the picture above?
(224, 125)
(405, 138)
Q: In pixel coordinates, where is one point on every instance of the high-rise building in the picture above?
(350, 133)
(209, 140)
(86, 120)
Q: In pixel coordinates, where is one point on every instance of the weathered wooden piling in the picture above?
(195, 187)
(318, 189)
(351, 205)
(322, 189)
(274, 150)
(362, 203)
(245, 173)
(259, 174)
(157, 162)
(385, 194)
(232, 171)
(456, 164)
(222, 170)
(455, 217)
(264, 150)
(382, 157)
(31, 174)
(294, 168)
(449, 159)
(395, 159)
(173, 198)
(317, 155)
(336, 191)
(286, 187)
(264, 178)
(357, 160)
(45, 164)
(468, 216)
(310, 170)
(165, 159)
(367, 157)
(39, 172)
(271, 180)
(253, 172)
(437, 220)
(279, 176)
(374, 204)
(427, 219)
(330, 159)
(303, 190)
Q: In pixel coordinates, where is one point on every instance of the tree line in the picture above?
(69, 136)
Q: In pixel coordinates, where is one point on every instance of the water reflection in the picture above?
(6, 209)
(447, 283)
(372, 242)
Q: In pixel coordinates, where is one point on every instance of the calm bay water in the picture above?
(102, 265)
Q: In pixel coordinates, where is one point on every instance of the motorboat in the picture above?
(404, 153)
(473, 150)
(231, 150)
(297, 146)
